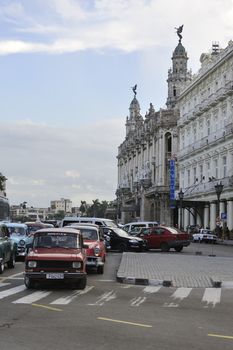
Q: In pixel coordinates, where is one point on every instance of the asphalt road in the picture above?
(109, 315)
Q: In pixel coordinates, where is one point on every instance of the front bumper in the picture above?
(43, 276)
(94, 261)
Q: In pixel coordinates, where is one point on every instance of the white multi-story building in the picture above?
(61, 205)
(205, 155)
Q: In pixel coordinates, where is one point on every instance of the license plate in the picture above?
(55, 276)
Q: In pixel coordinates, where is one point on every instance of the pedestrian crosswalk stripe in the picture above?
(105, 297)
(11, 291)
(66, 300)
(212, 296)
(2, 284)
(181, 293)
(151, 289)
(31, 298)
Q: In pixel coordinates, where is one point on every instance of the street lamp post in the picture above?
(218, 190)
(181, 197)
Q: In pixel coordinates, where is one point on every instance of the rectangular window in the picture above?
(224, 164)
(216, 168)
(201, 172)
(188, 177)
(194, 175)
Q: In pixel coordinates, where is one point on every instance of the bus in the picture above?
(4, 209)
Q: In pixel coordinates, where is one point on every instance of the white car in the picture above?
(204, 235)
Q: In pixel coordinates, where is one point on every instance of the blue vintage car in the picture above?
(7, 249)
(19, 234)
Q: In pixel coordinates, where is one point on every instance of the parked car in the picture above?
(120, 240)
(165, 238)
(96, 251)
(19, 234)
(204, 235)
(134, 226)
(69, 220)
(8, 249)
(56, 255)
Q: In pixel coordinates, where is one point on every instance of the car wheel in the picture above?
(122, 247)
(2, 266)
(178, 249)
(82, 283)
(164, 247)
(11, 262)
(100, 269)
(29, 283)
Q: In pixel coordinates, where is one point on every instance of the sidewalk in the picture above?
(176, 270)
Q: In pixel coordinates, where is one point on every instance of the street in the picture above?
(108, 314)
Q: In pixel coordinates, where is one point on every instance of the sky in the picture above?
(67, 68)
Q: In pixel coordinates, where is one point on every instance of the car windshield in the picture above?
(121, 232)
(17, 231)
(89, 234)
(55, 240)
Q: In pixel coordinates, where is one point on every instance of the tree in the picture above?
(83, 207)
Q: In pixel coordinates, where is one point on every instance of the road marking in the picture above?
(151, 289)
(105, 297)
(31, 298)
(124, 322)
(181, 293)
(212, 296)
(47, 307)
(12, 291)
(137, 301)
(11, 276)
(220, 336)
(69, 298)
(2, 284)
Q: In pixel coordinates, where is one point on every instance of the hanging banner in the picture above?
(172, 183)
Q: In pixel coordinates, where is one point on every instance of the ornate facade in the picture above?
(144, 191)
(205, 153)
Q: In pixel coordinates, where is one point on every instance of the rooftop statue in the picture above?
(178, 31)
(134, 88)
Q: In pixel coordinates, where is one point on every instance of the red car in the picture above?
(56, 255)
(164, 238)
(96, 251)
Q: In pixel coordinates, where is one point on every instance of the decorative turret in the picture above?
(178, 75)
(134, 113)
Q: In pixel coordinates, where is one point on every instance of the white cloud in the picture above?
(44, 163)
(125, 25)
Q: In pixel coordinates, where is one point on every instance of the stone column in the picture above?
(206, 216)
(230, 214)
(212, 215)
(186, 219)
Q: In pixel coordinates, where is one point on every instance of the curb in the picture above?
(144, 281)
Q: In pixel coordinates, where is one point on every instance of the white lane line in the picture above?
(137, 301)
(151, 289)
(2, 284)
(31, 298)
(212, 296)
(181, 293)
(69, 298)
(12, 291)
(105, 297)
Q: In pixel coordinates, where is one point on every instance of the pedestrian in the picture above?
(227, 233)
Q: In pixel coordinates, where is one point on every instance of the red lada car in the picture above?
(96, 251)
(164, 238)
(56, 255)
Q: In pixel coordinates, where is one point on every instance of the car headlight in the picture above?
(97, 251)
(32, 263)
(76, 264)
(21, 242)
(133, 241)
